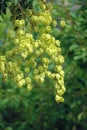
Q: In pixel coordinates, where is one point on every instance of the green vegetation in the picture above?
(28, 89)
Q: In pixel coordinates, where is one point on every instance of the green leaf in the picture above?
(7, 15)
(16, 2)
(1, 19)
(2, 29)
(73, 47)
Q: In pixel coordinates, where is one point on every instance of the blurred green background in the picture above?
(38, 110)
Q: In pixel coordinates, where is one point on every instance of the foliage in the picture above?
(74, 48)
(37, 110)
(31, 60)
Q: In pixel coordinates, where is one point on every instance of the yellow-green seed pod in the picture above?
(62, 24)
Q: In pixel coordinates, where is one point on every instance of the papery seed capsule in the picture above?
(62, 24)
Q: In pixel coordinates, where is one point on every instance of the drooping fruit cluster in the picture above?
(36, 55)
